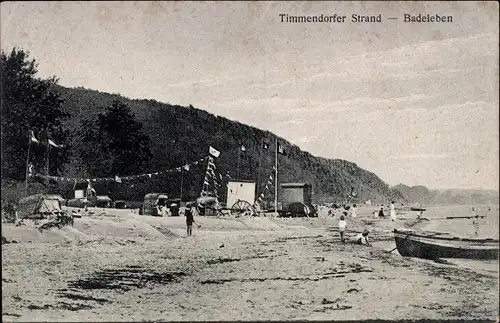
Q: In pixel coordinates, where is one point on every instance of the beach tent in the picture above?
(152, 201)
(103, 201)
(121, 204)
(81, 203)
(206, 205)
(56, 197)
(38, 206)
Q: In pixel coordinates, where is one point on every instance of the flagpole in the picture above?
(48, 160)
(238, 167)
(27, 165)
(182, 179)
(276, 179)
(258, 171)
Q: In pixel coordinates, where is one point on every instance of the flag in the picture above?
(30, 170)
(89, 187)
(243, 148)
(186, 167)
(214, 152)
(54, 144)
(33, 138)
(265, 145)
(118, 179)
(281, 150)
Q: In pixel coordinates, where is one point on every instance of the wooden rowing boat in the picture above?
(434, 245)
(418, 209)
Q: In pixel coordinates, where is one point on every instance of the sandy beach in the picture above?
(119, 266)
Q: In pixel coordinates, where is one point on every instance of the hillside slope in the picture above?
(182, 134)
(423, 195)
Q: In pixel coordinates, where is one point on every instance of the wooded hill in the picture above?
(423, 195)
(182, 134)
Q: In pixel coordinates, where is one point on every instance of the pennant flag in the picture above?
(281, 150)
(30, 170)
(89, 186)
(267, 187)
(220, 176)
(243, 148)
(214, 152)
(205, 182)
(265, 145)
(118, 179)
(54, 144)
(270, 177)
(186, 167)
(149, 175)
(33, 138)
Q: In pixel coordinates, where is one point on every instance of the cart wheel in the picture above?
(241, 208)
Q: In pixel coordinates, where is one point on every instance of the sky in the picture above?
(415, 103)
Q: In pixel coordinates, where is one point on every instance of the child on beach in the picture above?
(342, 226)
(362, 238)
(381, 212)
(189, 219)
(354, 211)
(475, 223)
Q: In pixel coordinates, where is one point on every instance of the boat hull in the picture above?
(410, 244)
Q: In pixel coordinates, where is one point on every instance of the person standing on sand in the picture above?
(189, 218)
(342, 226)
(354, 211)
(381, 212)
(393, 211)
(475, 223)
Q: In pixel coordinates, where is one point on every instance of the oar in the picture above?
(463, 217)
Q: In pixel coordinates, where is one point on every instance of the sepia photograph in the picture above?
(250, 161)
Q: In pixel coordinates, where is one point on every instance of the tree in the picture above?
(113, 143)
(29, 103)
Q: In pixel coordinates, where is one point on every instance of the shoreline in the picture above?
(127, 267)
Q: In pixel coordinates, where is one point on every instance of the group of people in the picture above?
(362, 238)
(392, 211)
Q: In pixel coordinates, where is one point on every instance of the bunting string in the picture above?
(118, 179)
(267, 189)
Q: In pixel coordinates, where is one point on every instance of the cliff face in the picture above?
(180, 134)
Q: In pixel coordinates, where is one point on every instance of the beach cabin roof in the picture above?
(155, 196)
(103, 198)
(55, 197)
(81, 186)
(294, 185)
(240, 181)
